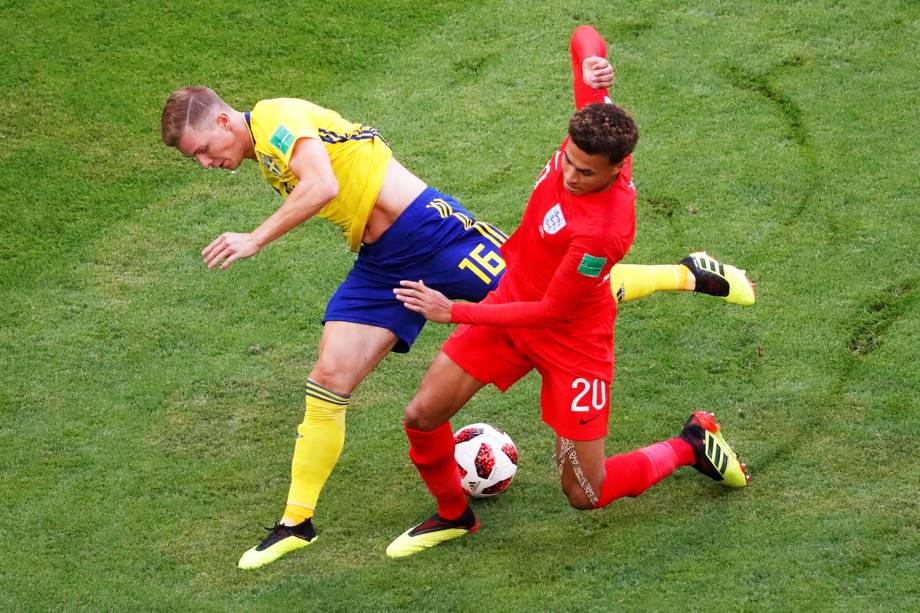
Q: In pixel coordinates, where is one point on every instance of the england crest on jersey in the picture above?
(553, 221)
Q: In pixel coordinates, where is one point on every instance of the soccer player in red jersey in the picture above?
(553, 311)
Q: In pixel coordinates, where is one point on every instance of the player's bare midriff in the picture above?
(400, 187)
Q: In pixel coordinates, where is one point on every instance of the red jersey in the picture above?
(560, 257)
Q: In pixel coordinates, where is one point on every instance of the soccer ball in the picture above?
(487, 459)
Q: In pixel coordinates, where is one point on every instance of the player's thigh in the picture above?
(469, 266)
(574, 403)
(444, 389)
(581, 470)
(348, 352)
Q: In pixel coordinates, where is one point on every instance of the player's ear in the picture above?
(223, 120)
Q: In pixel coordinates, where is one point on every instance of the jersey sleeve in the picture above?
(582, 268)
(286, 123)
(586, 42)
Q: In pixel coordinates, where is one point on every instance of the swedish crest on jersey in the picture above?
(270, 164)
(553, 221)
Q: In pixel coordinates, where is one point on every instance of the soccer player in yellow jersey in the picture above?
(323, 165)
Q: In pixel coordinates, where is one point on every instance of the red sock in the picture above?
(683, 450)
(433, 455)
(630, 474)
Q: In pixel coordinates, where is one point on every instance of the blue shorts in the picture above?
(436, 240)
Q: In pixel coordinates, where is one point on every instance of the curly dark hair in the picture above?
(604, 128)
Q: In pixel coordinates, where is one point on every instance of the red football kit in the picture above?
(553, 309)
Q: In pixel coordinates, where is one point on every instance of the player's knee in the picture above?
(333, 376)
(577, 497)
(418, 416)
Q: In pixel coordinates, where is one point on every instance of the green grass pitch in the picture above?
(148, 407)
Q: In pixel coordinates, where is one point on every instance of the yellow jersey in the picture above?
(359, 156)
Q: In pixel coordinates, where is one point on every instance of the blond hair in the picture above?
(188, 106)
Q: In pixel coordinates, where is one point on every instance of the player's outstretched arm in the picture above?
(592, 74)
(316, 187)
(571, 281)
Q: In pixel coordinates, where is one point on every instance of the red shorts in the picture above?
(574, 403)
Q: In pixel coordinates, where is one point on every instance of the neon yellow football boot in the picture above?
(714, 457)
(718, 279)
(280, 540)
(433, 531)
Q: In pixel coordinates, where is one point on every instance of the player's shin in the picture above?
(433, 456)
(319, 443)
(633, 281)
(630, 474)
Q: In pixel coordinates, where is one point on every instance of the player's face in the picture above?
(213, 144)
(584, 173)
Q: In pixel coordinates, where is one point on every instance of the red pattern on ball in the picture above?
(510, 451)
(485, 461)
(498, 487)
(467, 434)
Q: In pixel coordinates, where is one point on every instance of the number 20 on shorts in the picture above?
(487, 266)
(598, 393)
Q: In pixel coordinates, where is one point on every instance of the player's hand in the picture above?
(228, 248)
(597, 72)
(418, 297)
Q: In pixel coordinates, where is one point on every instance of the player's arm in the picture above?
(578, 272)
(591, 72)
(316, 186)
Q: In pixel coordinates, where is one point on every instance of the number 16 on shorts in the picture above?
(487, 265)
(589, 393)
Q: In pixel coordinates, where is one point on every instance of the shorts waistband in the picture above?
(392, 241)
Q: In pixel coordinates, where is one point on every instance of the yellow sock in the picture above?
(320, 439)
(634, 281)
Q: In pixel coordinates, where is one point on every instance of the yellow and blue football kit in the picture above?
(359, 157)
(434, 239)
